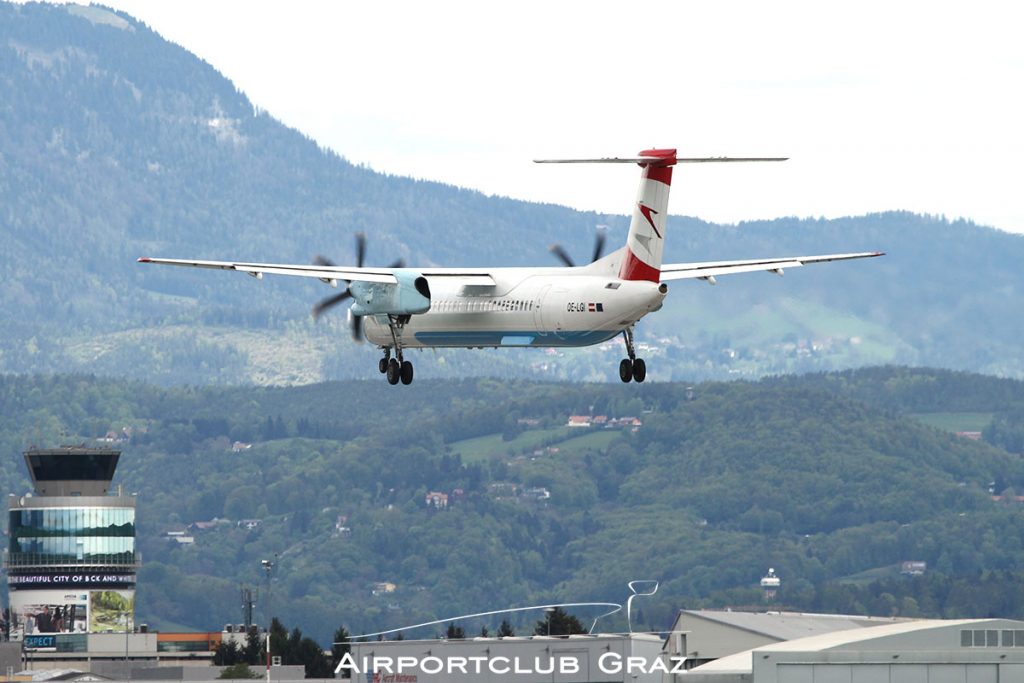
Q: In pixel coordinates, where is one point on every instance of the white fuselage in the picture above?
(525, 307)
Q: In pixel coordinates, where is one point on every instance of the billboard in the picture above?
(111, 611)
(36, 612)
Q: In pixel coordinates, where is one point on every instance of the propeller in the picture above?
(599, 241)
(355, 321)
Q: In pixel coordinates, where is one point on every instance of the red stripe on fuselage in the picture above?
(635, 269)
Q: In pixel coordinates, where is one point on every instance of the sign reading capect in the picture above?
(97, 580)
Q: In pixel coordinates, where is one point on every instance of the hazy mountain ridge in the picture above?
(116, 144)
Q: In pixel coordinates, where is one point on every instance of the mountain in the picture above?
(115, 144)
(717, 482)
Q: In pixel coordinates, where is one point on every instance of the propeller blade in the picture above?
(562, 254)
(329, 302)
(599, 241)
(319, 260)
(360, 249)
(400, 263)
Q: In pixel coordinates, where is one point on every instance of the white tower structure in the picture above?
(770, 584)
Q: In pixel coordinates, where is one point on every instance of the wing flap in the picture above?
(298, 270)
(476, 277)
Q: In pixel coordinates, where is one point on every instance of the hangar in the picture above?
(713, 634)
(920, 651)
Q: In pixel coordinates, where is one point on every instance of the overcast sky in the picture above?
(880, 105)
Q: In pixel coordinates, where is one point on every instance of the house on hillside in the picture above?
(537, 494)
(973, 436)
(503, 490)
(913, 567)
(180, 537)
(437, 500)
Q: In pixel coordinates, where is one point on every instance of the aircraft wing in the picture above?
(712, 269)
(473, 276)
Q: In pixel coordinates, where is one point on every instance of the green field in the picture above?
(593, 439)
(480, 448)
(955, 422)
(865, 577)
(568, 440)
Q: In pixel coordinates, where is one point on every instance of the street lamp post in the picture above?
(548, 611)
(268, 567)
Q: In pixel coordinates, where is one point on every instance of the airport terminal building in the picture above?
(72, 559)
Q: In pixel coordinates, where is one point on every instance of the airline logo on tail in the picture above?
(647, 211)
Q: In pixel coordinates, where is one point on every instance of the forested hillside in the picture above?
(115, 144)
(473, 495)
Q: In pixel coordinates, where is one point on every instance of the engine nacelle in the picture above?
(411, 295)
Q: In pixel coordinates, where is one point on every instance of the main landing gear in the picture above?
(631, 368)
(396, 369)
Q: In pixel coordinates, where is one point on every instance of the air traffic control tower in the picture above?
(71, 563)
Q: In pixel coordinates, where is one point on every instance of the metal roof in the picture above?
(743, 662)
(790, 625)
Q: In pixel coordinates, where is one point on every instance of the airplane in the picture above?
(399, 308)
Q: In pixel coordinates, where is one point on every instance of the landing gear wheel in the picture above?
(626, 370)
(394, 371)
(406, 372)
(382, 365)
(639, 370)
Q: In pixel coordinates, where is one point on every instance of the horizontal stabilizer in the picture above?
(653, 159)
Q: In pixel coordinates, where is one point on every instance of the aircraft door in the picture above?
(553, 311)
(538, 311)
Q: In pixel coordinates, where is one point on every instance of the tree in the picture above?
(239, 670)
(228, 654)
(505, 629)
(253, 650)
(313, 658)
(455, 632)
(342, 645)
(279, 641)
(558, 623)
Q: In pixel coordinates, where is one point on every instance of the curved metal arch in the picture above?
(616, 607)
(629, 602)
